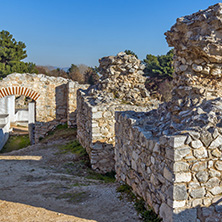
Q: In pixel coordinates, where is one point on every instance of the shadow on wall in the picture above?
(61, 97)
(3, 138)
(205, 214)
(41, 129)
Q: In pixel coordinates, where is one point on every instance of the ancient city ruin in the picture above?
(172, 156)
(169, 153)
(52, 102)
(121, 88)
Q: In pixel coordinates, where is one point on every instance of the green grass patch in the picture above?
(106, 178)
(126, 190)
(81, 164)
(16, 143)
(76, 197)
(73, 147)
(77, 184)
(147, 214)
(60, 132)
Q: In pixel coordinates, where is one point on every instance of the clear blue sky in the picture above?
(60, 33)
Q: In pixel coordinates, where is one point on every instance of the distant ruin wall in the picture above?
(55, 98)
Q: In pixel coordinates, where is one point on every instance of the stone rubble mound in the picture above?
(197, 41)
(196, 104)
(121, 79)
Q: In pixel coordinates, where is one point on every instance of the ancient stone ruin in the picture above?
(54, 101)
(172, 156)
(170, 153)
(121, 87)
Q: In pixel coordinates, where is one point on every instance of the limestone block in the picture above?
(182, 177)
(177, 141)
(197, 193)
(180, 192)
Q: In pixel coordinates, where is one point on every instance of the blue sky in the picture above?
(60, 33)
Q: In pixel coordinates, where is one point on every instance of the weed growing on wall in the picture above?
(147, 214)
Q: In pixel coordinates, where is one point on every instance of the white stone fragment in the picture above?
(177, 141)
(216, 143)
(197, 68)
(177, 204)
(196, 144)
(182, 177)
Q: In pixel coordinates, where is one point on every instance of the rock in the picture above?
(177, 141)
(200, 153)
(180, 192)
(218, 165)
(216, 143)
(182, 177)
(213, 182)
(202, 176)
(182, 215)
(198, 166)
(216, 153)
(197, 68)
(206, 138)
(181, 167)
(197, 193)
(196, 144)
(180, 153)
(166, 212)
(216, 190)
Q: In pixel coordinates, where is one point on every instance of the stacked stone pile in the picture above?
(197, 42)
(179, 144)
(195, 104)
(122, 79)
(121, 87)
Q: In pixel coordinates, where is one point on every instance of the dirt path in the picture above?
(35, 187)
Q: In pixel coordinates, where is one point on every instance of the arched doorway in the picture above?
(17, 108)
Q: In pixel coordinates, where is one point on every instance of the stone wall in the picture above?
(121, 87)
(172, 156)
(96, 130)
(55, 98)
(179, 176)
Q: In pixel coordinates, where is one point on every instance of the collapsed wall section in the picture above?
(121, 87)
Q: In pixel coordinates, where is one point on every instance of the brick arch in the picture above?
(19, 90)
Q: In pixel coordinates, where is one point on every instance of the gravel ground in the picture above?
(35, 188)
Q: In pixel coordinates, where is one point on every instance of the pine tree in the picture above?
(11, 54)
(130, 52)
(159, 66)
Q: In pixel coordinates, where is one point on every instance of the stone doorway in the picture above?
(19, 115)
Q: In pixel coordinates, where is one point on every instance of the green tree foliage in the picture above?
(129, 52)
(11, 54)
(159, 66)
(160, 70)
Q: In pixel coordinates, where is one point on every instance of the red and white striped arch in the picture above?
(19, 90)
